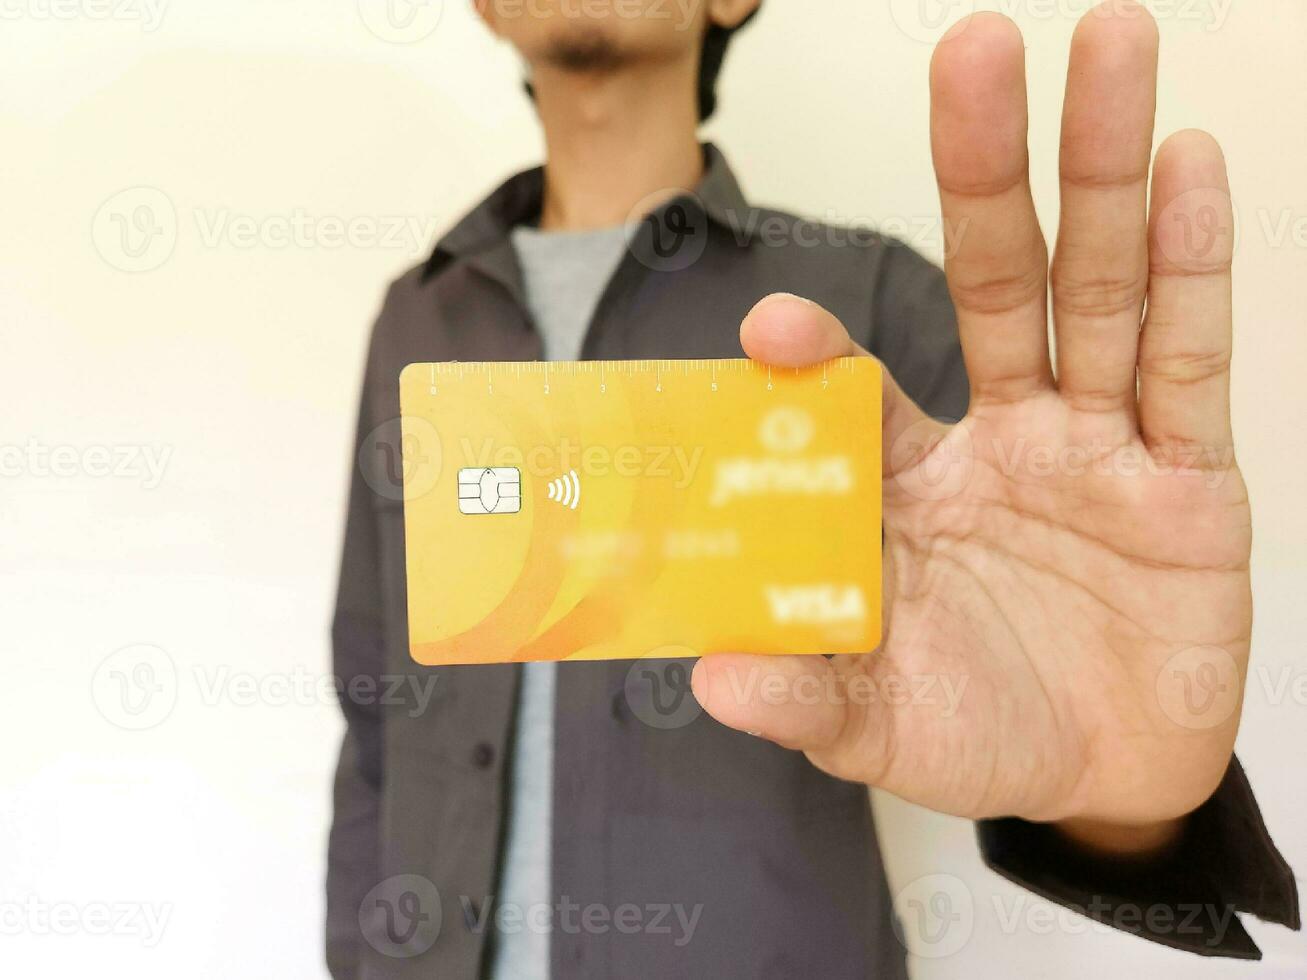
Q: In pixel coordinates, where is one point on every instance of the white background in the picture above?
(241, 362)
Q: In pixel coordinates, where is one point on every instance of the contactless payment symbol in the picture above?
(490, 490)
(566, 490)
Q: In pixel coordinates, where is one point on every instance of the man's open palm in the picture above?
(1075, 551)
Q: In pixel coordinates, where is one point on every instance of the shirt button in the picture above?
(483, 756)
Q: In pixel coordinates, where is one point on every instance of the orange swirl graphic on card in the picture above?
(604, 509)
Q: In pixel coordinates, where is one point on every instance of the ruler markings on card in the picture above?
(553, 372)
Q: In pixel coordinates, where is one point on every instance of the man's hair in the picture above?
(715, 42)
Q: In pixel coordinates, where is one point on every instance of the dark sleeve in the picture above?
(357, 651)
(915, 333)
(1227, 862)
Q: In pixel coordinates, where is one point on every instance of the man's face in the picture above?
(598, 34)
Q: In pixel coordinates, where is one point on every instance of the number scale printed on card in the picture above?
(623, 509)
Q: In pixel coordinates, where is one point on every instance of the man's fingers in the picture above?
(787, 331)
(1184, 350)
(1100, 269)
(998, 266)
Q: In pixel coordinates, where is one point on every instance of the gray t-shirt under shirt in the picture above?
(565, 274)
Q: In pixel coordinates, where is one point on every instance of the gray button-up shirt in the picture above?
(680, 848)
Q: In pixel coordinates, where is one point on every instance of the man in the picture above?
(1076, 601)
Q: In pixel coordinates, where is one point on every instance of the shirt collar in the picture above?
(518, 200)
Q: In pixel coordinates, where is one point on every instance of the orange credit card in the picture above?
(605, 510)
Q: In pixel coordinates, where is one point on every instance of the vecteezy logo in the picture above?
(401, 21)
(935, 916)
(667, 237)
(931, 462)
(401, 917)
(401, 458)
(1200, 687)
(136, 229)
(136, 687)
(1198, 228)
(566, 490)
(928, 20)
(658, 688)
(490, 490)
(677, 224)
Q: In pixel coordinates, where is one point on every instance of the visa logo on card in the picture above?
(614, 509)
